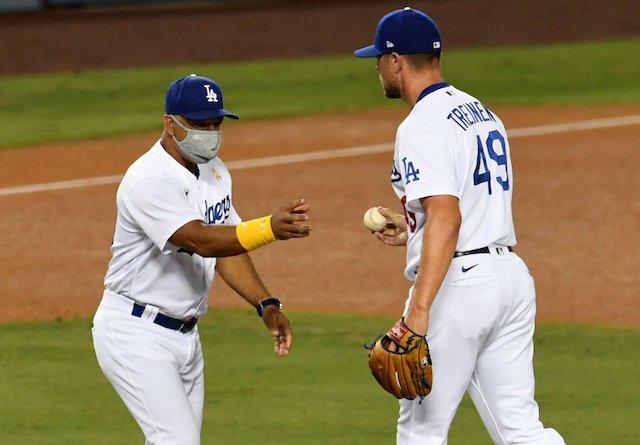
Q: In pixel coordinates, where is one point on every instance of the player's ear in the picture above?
(168, 124)
(396, 62)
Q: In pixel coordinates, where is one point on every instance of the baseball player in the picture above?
(472, 295)
(176, 227)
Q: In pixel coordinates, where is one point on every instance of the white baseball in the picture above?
(373, 220)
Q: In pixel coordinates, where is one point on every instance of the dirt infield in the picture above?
(576, 208)
(83, 39)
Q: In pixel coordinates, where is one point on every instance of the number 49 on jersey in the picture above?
(501, 159)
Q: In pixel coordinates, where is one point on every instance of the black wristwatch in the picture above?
(268, 302)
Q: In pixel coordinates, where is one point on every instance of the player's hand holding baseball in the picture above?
(279, 326)
(388, 226)
(290, 221)
(395, 234)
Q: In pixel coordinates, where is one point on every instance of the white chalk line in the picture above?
(330, 154)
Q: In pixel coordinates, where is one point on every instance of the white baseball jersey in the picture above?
(451, 144)
(156, 197)
(482, 320)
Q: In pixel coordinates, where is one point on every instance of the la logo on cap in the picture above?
(389, 44)
(211, 95)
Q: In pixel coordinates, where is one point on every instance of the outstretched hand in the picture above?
(279, 326)
(290, 221)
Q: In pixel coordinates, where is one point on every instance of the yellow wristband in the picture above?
(255, 233)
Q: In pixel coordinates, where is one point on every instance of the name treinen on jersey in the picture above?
(467, 114)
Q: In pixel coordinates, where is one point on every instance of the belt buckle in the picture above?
(499, 250)
(187, 325)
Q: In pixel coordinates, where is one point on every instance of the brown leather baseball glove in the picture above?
(400, 362)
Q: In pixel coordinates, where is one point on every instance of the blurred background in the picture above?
(82, 88)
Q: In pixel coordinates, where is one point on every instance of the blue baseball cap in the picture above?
(196, 98)
(404, 31)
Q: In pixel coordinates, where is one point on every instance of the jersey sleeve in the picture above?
(160, 207)
(427, 168)
(234, 218)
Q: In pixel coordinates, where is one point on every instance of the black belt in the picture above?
(165, 321)
(480, 250)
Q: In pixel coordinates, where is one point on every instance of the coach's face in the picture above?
(389, 72)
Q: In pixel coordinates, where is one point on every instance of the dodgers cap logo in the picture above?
(196, 98)
(404, 31)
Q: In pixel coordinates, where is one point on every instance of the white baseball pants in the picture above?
(480, 336)
(158, 372)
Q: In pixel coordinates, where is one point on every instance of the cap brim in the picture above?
(203, 115)
(368, 51)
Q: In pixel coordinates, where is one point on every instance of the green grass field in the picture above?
(66, 106)
(54, 393)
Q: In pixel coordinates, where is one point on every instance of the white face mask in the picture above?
(199, 146)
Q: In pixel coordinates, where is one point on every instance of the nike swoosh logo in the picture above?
(467, 269)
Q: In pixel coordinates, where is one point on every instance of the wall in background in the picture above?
(35, 5)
